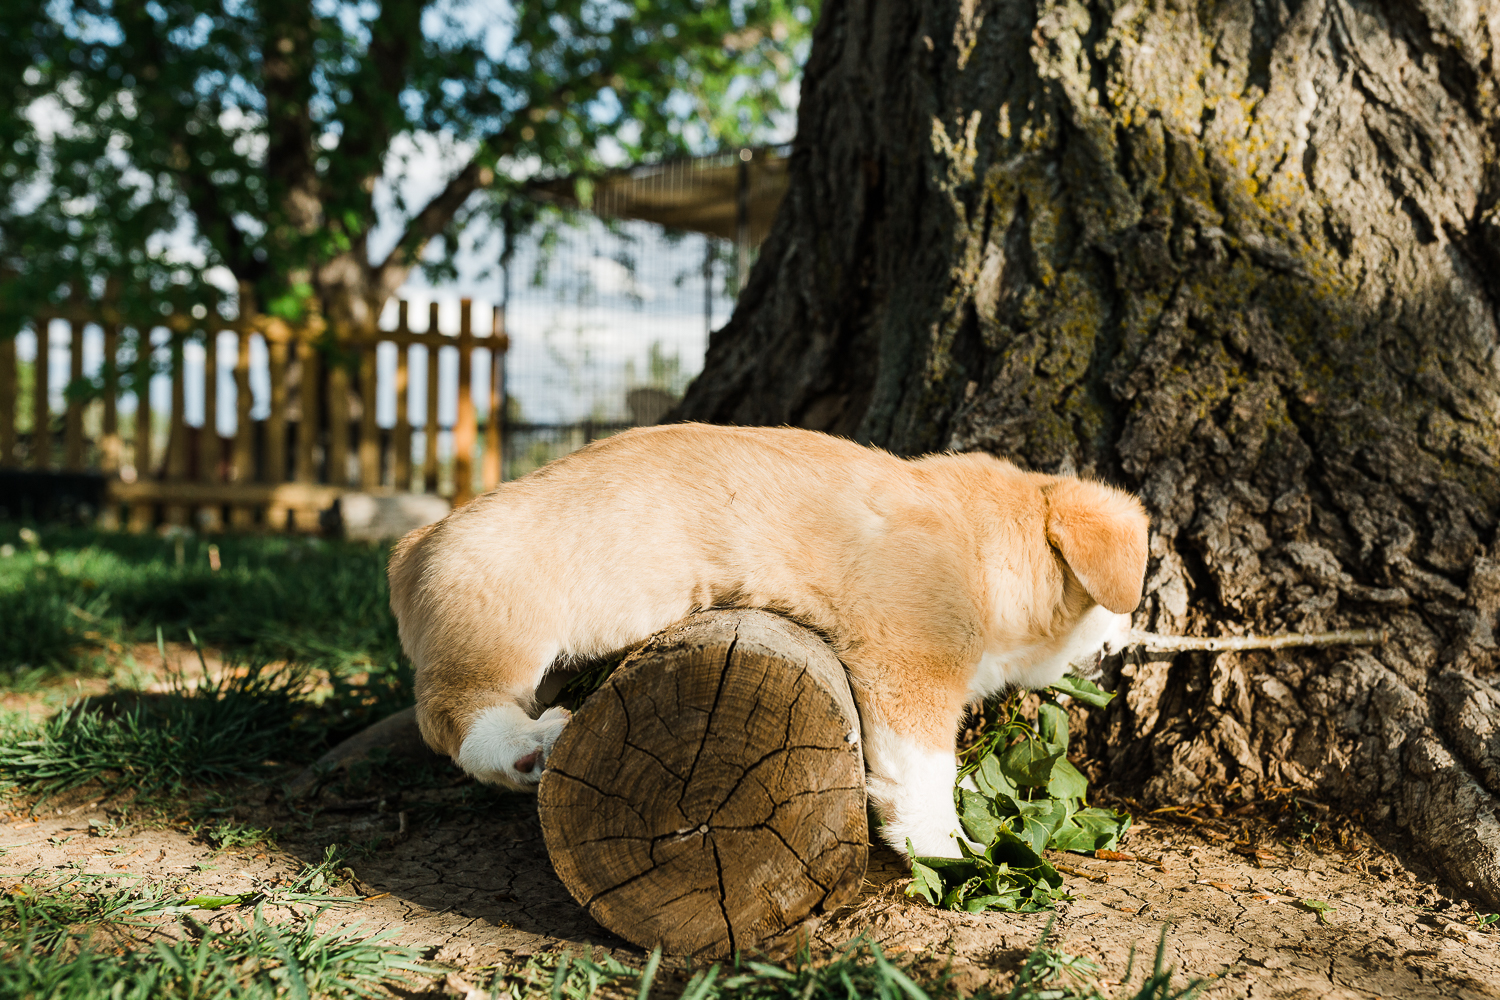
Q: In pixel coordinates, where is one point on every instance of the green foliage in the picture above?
(219, 730)
(1046, 965)
(1319, 907)
(1026, 798)
(263, 131)
(67, 595)
(861, 969)
(48, 948)
(227, 835)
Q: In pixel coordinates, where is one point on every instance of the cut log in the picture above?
(710, 796)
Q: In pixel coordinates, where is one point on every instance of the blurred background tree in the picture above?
(152, 146)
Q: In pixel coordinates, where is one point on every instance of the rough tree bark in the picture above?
(1240, 256)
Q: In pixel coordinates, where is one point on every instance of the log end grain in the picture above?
(711, 794)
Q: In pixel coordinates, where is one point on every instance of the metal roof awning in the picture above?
(730, 195)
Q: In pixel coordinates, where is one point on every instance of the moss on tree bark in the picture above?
(1242, 257)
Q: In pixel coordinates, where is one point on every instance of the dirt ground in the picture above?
(461, 872)
(474, 887)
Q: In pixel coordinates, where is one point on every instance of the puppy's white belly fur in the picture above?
(504, 735)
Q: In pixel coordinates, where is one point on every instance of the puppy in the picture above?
(938, 581)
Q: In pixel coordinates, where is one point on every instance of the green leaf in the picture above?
(924, 881)
(216, 902)
(979, 821)
(1012, 850)
(1030, 761)
(1108, 824)
(1084, 690)
(992, 780)
(1066, 782)
(1052, 723)
(1091, 830)
(1071, 837)
(1041, 820)
(1319, 907)
(978, 904)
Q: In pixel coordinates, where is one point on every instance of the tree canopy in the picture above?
(263, 132)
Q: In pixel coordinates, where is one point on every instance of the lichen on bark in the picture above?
(1236, 256)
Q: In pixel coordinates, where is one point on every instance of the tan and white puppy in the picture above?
(938, 581)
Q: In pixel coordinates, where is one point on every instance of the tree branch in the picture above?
(214, 222)
(438, 212)
(287, 62)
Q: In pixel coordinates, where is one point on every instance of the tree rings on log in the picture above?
(711, 794)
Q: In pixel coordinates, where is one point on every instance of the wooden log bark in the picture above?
(710, 795)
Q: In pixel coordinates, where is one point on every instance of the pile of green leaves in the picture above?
(1026, 797)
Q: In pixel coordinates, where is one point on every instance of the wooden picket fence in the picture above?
(277, 473)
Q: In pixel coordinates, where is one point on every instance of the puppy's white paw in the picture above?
(507, 747)
(930, 836)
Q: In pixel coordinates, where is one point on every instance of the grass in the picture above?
(91, 936)
(69, 596)
(253, 959)
(225, 729)
(861, 970)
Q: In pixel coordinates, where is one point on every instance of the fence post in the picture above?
(41, 411)
(73, 415)
(401, 438)
(177, 433)
(307, 423)
(278, 340)
(493, 450)
(141, 514)
(464, 429)
(338, 417)
(9, 397)
(429, 456)
(208, 435)
(241, 516)
(109, 424)
(369, 433)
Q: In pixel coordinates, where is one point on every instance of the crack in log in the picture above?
(806, 867)
(723, 896)
(750, 770)
(629, 724)
(708, 724)
(666, 727)
(660, 763)
(589, 903)
(629, 804)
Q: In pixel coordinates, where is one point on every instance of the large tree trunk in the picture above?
(1239, 257)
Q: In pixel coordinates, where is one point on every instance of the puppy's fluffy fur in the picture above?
(937, 580)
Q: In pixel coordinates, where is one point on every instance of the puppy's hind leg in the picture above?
(507, 747)
(480, 718)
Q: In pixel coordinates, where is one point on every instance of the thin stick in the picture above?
(1178, 643)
